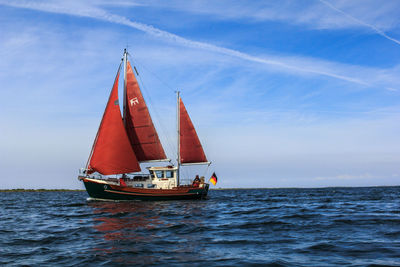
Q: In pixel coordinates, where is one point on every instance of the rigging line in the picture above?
(186, 176)
(157, 116)
(155, 75)
(170, 143)
(206, 172)
(143, 87)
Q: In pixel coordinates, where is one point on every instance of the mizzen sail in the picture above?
(112, 152)
(190, 148)
(138, 123)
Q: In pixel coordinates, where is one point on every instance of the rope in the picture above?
(206, 171)
(155, 75)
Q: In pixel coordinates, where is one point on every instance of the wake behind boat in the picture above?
(123, 142)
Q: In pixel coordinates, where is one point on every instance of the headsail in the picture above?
(139, 126)
(112, 153)
(190, 148)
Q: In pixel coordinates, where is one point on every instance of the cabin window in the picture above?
(169, 174)
(151, 185)
(138, 185)
(160, 174)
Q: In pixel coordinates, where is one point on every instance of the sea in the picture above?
(238, 227)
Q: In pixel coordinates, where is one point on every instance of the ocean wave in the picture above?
(272, 227)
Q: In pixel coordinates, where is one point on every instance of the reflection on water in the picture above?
(129, 231)
(124, 221)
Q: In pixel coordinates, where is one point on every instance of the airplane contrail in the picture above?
(100, 14)
(372, 27)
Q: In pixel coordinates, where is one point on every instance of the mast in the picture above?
(179, 136)
(125, 65)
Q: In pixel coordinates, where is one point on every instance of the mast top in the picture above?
(125, 56)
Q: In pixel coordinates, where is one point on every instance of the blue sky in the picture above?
(282, 93)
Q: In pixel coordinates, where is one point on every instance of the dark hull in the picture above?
(101, 190)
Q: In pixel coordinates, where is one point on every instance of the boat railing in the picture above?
(126, 177)
(139, 178)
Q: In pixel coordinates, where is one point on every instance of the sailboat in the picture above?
(122, 143)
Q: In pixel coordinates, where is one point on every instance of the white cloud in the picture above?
(293, 65)
(374, 15)
(314, 14)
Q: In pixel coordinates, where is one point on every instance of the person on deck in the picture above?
(122, 180)
(196, 181)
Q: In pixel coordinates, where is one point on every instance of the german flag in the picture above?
(214, 179)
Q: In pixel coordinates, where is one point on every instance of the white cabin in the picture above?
(158, 178)
(163, 177)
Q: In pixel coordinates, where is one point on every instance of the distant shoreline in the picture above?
(322, 187)
(238, 188)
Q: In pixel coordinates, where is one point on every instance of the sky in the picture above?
(284, 93)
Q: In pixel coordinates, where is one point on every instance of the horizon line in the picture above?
(220, 188)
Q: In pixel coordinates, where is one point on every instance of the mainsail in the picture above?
(190, 148)
(139, 126)
(112, 152)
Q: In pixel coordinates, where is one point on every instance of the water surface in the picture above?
(265, 227)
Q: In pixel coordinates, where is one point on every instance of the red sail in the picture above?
(191, 150)
(138, 123)
(112, 153)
